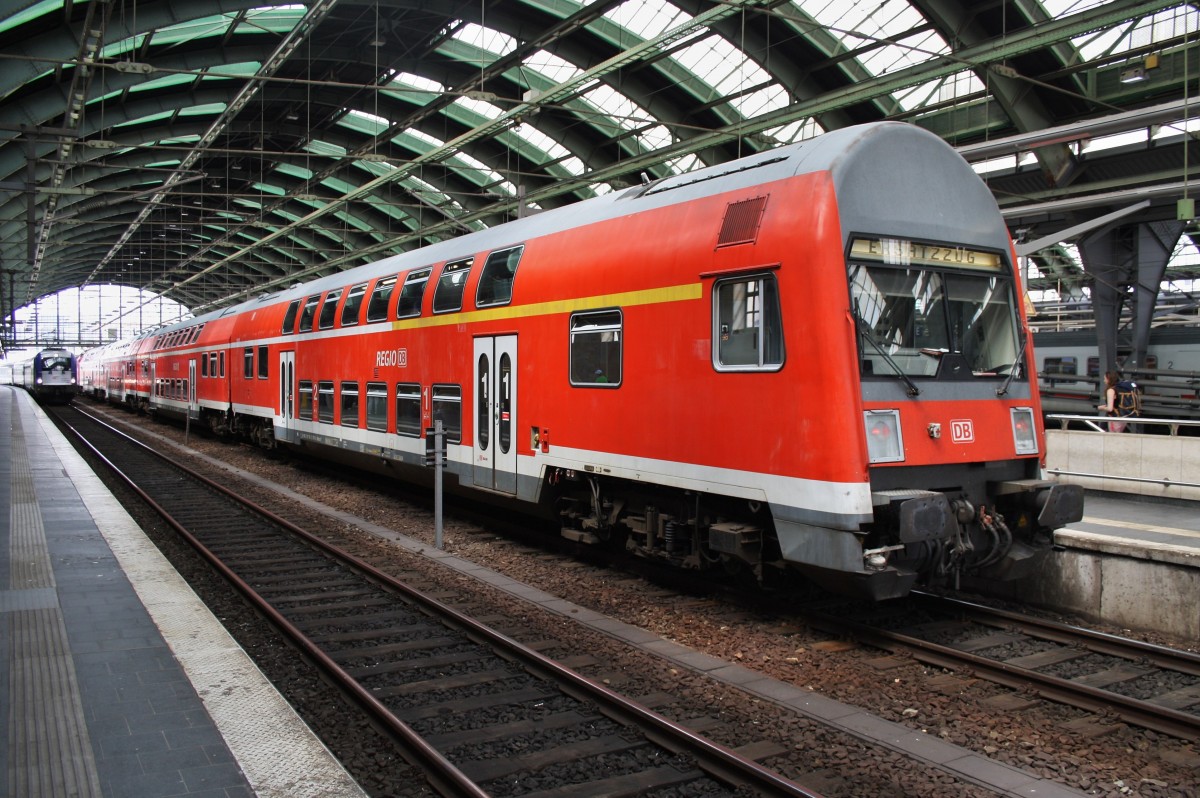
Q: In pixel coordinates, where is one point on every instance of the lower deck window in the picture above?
(408, 409)
(377, 406)
(349, 404)
(596, 348)
(447, 406)
(325, 402)
(305, 410)
(748, 332)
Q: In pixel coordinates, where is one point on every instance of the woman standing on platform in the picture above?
(1111, 378)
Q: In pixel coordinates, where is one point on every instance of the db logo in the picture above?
(962, 431)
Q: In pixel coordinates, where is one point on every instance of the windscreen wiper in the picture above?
(865, 330)
(1012, 370)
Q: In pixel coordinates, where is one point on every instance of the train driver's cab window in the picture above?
(412, 293)
(248, 362)
(447, 406)
(496, 279)
(264, 363)
(447, 297)
(289, 318)
(325, 402)
(310, 310)
(353, 304)
(408, 409)
(596, 341)
(305, 405)
(748, 325)
(377, 406)
(329, 310)
(349, 404)
(378, 306)
(912, 319)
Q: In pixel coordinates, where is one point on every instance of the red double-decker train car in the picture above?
(813, 358)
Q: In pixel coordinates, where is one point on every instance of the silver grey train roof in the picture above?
(879, 170)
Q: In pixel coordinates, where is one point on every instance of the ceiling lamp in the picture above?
(1135, 71)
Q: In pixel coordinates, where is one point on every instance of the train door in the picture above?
(192, 393)
(495, 406)
(287, 393)
(152, 400)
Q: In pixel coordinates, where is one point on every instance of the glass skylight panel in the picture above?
(164, 82)
(33, 12)
(409, 80)
(268, 189)
(646, 18)
(551, 67)
(413, 88)
(684, 163)
(619, 108)
(353, 221)
(761, 101)
(274, 19)
(655, 137)
(720, 65)
(141, 120)
(1162, 26)
(363, 122)
(417, 140)
(474, 169)
(878, 31)
(207, 109)
(374, 168)
(340, 186)
(487, 39)
(550, 148)
(477, 111)
(292, 170)
(115, 50)
(319, 147)
(242, 69)
(800, 130)
(192, 29)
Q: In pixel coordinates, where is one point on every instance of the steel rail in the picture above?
(442, 774)
(1064, 691)
(1100, 642)
(711, 757)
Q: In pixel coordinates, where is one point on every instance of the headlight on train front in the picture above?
(1024, 432)
(884, 444)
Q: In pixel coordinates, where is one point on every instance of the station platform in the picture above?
(115, 680)
(1140, 527)
(1133, 561)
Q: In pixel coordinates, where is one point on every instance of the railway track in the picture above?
(479, 713)
(1147, 685)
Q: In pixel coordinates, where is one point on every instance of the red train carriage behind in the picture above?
(812, 358)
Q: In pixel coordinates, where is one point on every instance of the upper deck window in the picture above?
(329, 309)
(409, 304)
(377, 309)
(310, 310)
(289, 318)
(496, 279)
(748, 324)
(353, 303)
(447, 297)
